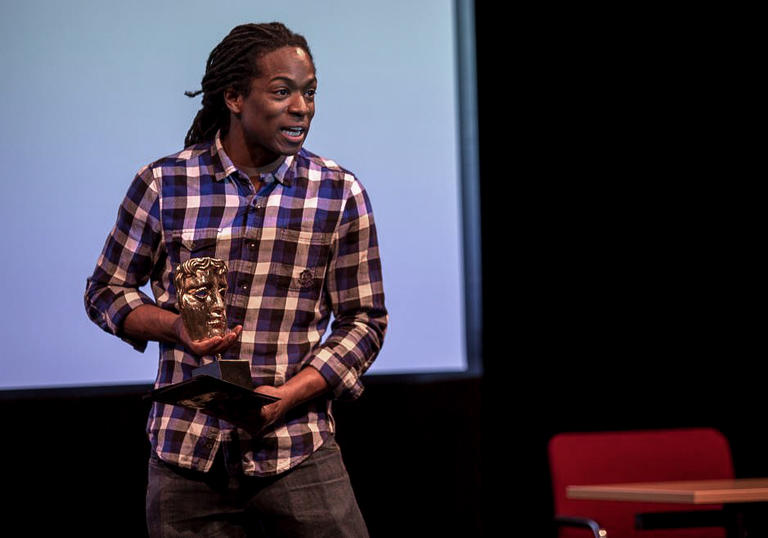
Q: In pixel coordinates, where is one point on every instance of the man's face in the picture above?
(201, 304)
(276, 114)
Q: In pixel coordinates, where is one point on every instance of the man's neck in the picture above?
(251, 170)
(243, 155)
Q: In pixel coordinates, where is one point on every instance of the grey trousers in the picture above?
(314, 499)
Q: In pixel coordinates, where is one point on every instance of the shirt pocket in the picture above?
(299, 263)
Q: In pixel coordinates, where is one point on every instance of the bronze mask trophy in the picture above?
(224, 387)
(201, 284)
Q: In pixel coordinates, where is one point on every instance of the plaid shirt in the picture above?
(302, 247)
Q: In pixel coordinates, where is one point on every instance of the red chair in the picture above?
(635, 456)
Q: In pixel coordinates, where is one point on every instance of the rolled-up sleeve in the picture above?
(126, 262)
(356, 293)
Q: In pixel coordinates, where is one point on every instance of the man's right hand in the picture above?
(150, 322)
(207, 346)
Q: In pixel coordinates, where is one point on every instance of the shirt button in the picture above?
(252, 245)
(243, 285)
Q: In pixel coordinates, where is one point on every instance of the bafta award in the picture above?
(201, 285)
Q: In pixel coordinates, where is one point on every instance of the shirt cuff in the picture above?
(344, 381)
(124, 305)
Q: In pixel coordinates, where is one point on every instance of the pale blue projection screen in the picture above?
(92, 91)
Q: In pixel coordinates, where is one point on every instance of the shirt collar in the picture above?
(283, 174)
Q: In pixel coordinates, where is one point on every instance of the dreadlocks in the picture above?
(233, 63)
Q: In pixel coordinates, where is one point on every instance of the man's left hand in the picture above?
(304, 386)
(272, 412)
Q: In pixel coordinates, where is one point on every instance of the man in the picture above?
(298, 237)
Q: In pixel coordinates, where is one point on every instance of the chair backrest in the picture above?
(635, 456)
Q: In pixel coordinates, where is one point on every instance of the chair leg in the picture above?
(578, 521)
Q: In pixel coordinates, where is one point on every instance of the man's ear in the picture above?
(233, 100)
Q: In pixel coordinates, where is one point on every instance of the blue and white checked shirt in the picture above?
(301, 248)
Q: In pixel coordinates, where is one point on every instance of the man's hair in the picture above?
(193, 266)
(233, 63)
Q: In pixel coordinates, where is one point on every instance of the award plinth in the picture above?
(231, 371)
(223, 388)
(216, 397)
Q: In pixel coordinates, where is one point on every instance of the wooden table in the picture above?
(739, 497)
(741, 490)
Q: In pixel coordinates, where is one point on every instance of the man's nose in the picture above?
(299, 105)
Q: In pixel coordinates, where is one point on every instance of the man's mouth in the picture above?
(294, 132)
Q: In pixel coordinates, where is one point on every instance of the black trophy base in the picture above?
(233, 401)
(232, 371)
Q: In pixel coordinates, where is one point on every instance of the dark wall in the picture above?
(79, 463)
(621, 285)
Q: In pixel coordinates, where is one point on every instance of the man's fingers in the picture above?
(205, 346)
(223, 346)
(215, 344)
(224, 342)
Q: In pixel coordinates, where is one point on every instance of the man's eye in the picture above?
(311, 93)
(282, 92)
(223, 290)
(201, 294)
